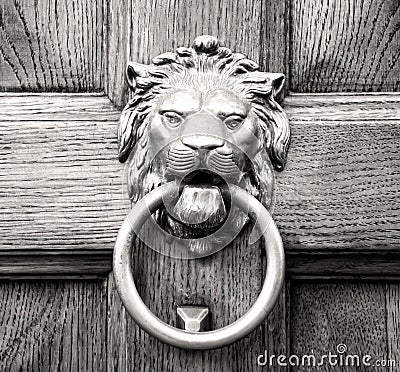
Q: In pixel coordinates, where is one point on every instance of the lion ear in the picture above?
(126, 134)
(277, 82)
(279, 125)
(280, 138)
(136, 73)
(266, 83)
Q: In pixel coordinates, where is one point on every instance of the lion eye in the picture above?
(233, 122)
(172, 119)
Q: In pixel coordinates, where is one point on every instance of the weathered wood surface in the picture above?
(345, 265)
(81, 326)
(393, 324)
(222, 282)
(275, 34)
(345, 45)
(53, 326)
(50, 263)
(40, 107)
(340, 189)
(140, 30)
(362, 316)
(52, 45)
(338, 107)
(61, 183)
(84, 45)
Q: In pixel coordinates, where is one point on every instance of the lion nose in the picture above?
(203, 131)
(202, 142)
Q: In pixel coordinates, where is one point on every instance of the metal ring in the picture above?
(198, 340)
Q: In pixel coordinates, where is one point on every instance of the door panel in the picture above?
(53, 326)
(362, 316)
(342, 173)
(61, 325)
(62, 196)
(140, 29)
(61, 184)
(48, 45)
(345, 45)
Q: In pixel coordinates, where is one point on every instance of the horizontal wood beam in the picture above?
(349, 265)
(340, 190)
(62, 198)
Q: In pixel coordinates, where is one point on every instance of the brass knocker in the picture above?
(203, 134)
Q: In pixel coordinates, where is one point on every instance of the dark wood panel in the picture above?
(49, 45)
(50, 263)
(393, 324)
(140, 30)
(345, 45)
(353, 314)
(62, 185)
(333, 264)
(53, 326)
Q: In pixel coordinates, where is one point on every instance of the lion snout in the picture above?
(183, 160)
(223, 164)
(205, 142)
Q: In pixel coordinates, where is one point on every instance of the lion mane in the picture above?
(205, 66)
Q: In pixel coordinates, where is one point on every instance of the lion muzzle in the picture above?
(202, 172)
(198, 204)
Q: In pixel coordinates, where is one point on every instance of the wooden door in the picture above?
(337, 203)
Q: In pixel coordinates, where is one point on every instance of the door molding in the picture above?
(336, 205)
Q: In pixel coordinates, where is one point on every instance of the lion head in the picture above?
(205, 117)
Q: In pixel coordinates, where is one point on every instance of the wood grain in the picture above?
(62, 186)
(224, 282)
(376, 265)
(345, 45)
(47, 264)
(340, 189)
(339, 107)
(40, 107)
(61, 183)
(60, 176)
(393, 324)
(275, 37)
(50, 45)
(325, 315)
(53, 326)
(140, 30)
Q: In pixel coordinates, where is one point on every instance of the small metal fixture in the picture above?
(193, 318)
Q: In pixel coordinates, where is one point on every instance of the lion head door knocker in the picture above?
(201, 136)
